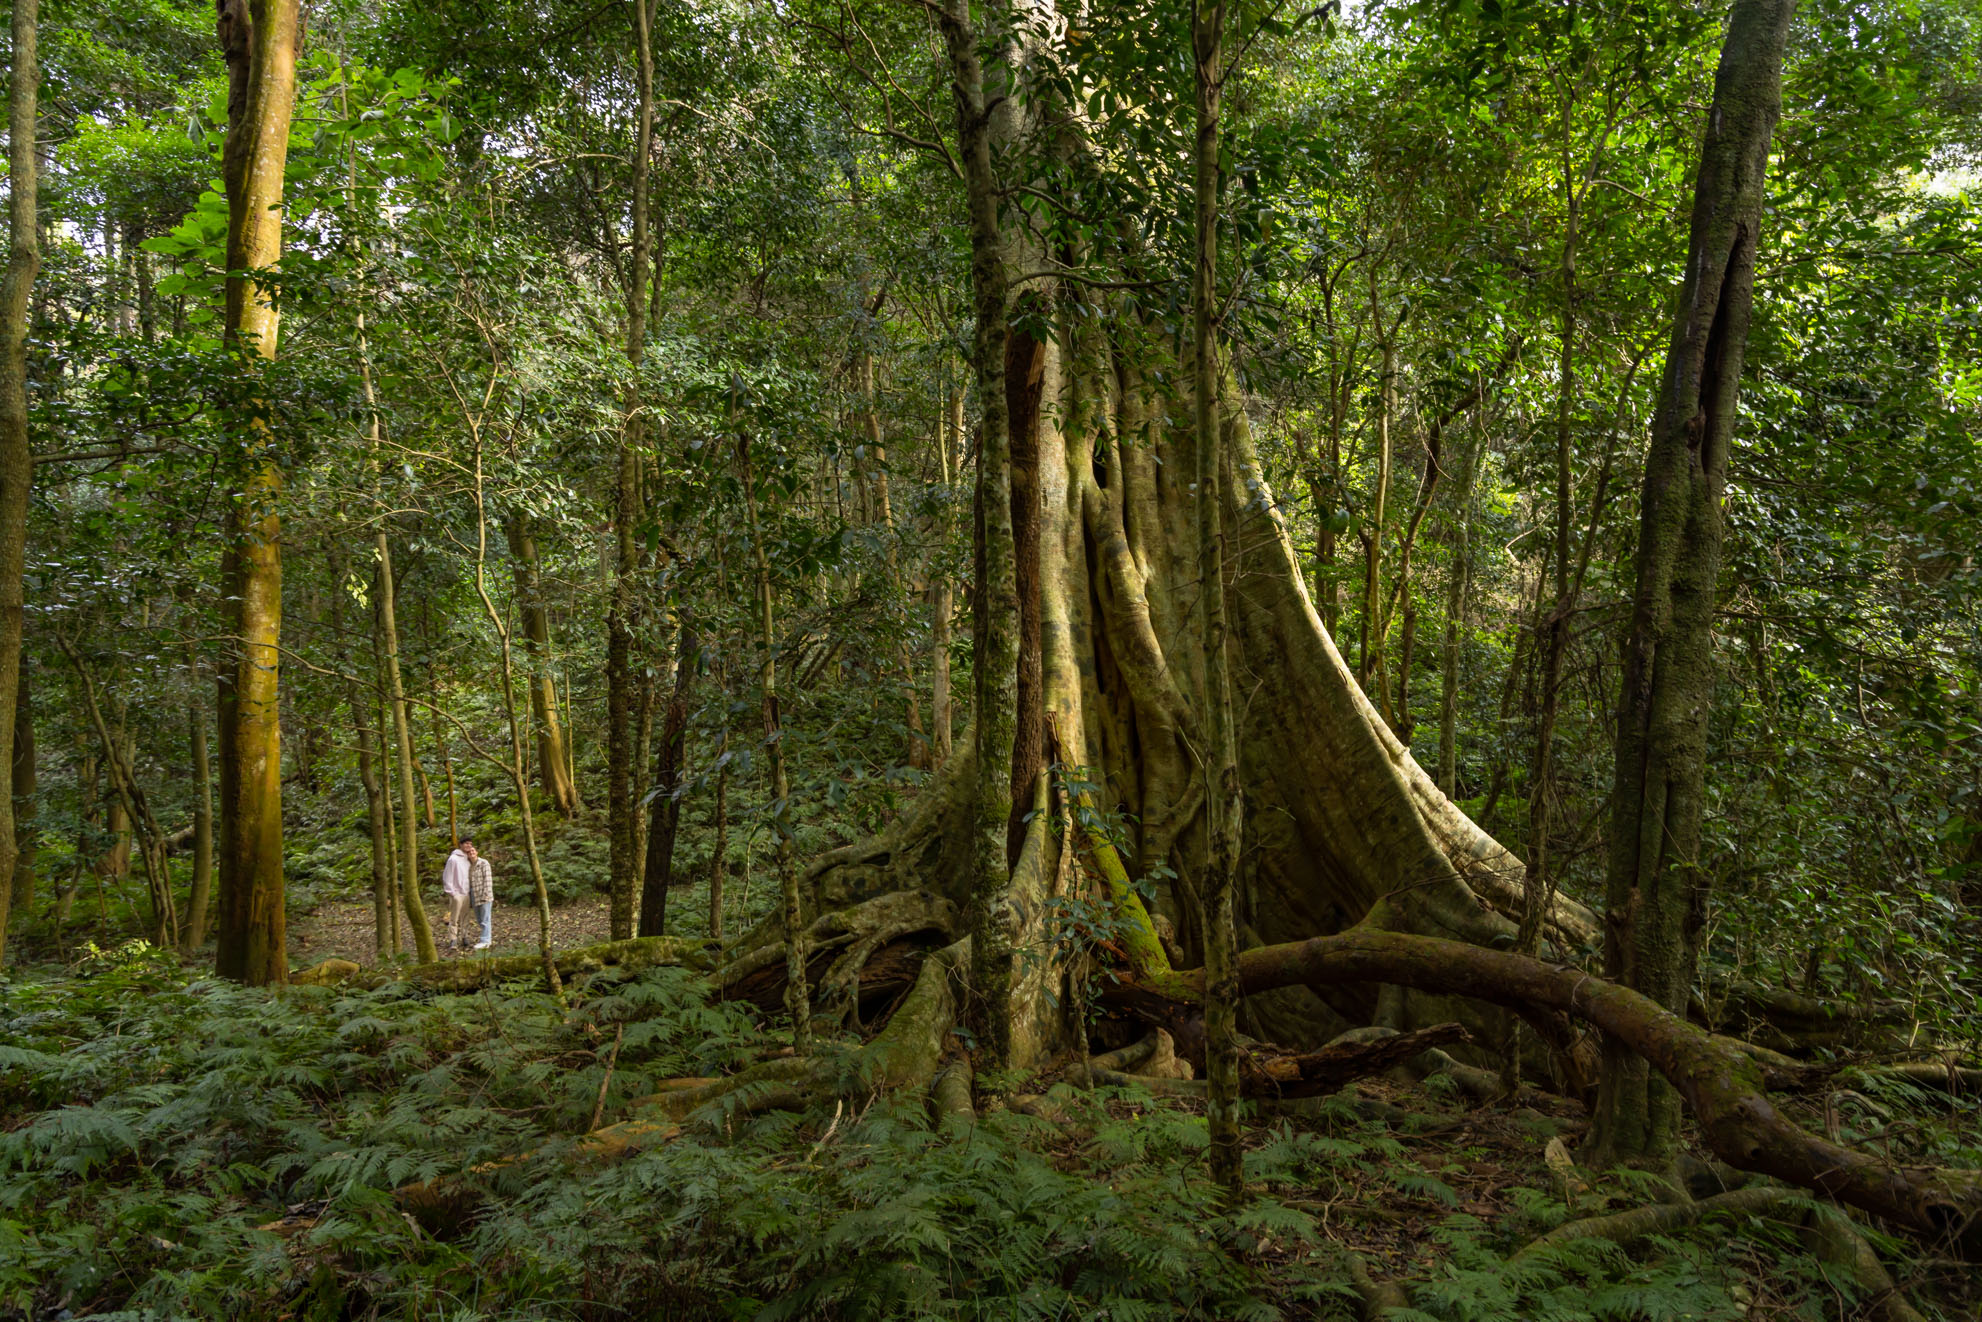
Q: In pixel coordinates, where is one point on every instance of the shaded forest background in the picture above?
(587, 419)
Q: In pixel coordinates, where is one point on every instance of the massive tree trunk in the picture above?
(16, 462)
(1345, 825)
(259, 39)
(1656, 890)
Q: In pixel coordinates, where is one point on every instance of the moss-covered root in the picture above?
(951, 1093)
(1837, 1244)
(1723, 1087)
(1833, 1240)
(1379, 1297)
(905, 1054)
(470, 974)
(1663, 1218)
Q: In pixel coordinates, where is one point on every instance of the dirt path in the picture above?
(342, 929)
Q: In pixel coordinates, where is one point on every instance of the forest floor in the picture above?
(342, 929)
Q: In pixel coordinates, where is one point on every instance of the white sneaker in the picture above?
(483, 945)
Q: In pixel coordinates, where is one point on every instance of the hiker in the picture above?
(454, 884)
(481, 893)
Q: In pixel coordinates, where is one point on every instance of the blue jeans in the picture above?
(485, 914)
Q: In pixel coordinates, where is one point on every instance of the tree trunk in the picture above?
(1369, 661)
(1223, 808)
(1553, 631)
(995, 605)
(1656, 887)
(621, 804)
(664, 808)
(1456, 591)
(27, 832)
(718, 859)
(643, 751)
(16, 460)
(259, 39)
(200, 895)
(363, 705)
(117, 754)
(797, 997)
(402, 731)
(942, 599)
(553, 766)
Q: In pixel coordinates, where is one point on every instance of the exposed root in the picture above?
(1664, 1218)
(843, 946)
(952, 1089)
(1313, 1073)
(1723, 1087)
(906, 1053)
(1829, 1233)
(1838, 1243)
(1379, 1297)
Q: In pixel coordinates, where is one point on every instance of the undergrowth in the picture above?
(153, 1124)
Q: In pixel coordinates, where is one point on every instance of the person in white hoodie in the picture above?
(455, 884)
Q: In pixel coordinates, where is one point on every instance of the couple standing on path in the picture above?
(467, 879)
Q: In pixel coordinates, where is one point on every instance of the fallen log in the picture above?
(459, 975)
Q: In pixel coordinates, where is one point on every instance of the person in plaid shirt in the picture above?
(481, 893)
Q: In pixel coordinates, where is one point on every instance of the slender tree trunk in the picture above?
(643, 752)
(1553, 631)
(402, 731)
(117, 752)
(1657, 889)
(259, 39)
(995, 603)
(381, 717)
(87, 775)
(554, 768)
(621, 685)
(16, 460)
(942, 600)
(664, 809)
(1455, 612)
(1220, 757)
(1369, 661)
(26, 831)
(200, 895)
(797, 995)
(363, 705)
(719, 859)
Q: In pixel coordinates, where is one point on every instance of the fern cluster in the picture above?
(153, 1125)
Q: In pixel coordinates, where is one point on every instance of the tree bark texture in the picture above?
(797, 996)
(1655, 890)
(402, 734)
(664, 808)
(199, 895)
(259, 39)
(1219, 756)
(621, 803)
(995, 605)
(553, 766)
(23, 794)
(16, 460)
